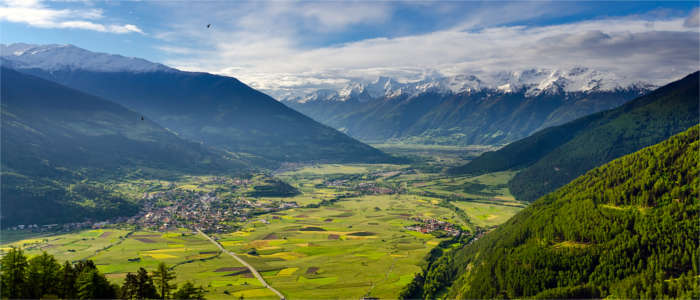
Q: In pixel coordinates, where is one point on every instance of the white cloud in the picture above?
(34, 13)
(651, 50)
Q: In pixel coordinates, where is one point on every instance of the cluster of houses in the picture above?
(337, 183)
(374, 189)
(431, 225)
(206, 211)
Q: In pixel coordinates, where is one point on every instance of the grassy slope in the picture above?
(626, 229)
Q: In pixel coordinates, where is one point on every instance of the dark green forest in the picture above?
(627, 229)
(44, 277)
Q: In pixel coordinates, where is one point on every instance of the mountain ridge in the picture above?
(217, 110)
(477, 117)
(54, 57)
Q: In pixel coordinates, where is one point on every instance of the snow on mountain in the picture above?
(56, 57)
(531, 82)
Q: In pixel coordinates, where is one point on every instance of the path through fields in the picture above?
(243, 262)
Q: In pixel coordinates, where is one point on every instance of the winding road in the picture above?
(243, 262)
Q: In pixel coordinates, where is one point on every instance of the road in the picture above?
(243, 262)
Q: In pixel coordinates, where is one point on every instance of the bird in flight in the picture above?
(208, 25)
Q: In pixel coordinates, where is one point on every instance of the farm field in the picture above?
(355, 247)
(436, 154)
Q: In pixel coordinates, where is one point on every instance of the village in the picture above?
(205, 210)
(432, 225)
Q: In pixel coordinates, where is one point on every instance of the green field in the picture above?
(435, 155)
(353, 245)
(354, 248)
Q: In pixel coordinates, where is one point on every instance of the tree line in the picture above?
(43, 276)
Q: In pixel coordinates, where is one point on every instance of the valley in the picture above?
(349, 150)
(343, 229)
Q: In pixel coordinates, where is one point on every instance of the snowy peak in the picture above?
(382, 86)
(58, 57)
(531, 82)
(319, 95)
(544, 81)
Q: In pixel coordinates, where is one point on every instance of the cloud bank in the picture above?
(653, 50)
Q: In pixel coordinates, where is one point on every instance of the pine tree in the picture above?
(162, 277)
(145, 288)
(42, 275)
(189, 291)
(67, 278)
(93, 285)
(131, 287)
(14, 265)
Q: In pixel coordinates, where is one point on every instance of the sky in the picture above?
(285, 47)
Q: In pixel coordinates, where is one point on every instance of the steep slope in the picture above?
(465, 109)
(627, 229)
(220, 111)
(556, 155)
(53, 136)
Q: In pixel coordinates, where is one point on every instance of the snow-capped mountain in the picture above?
(215, 110)
(531, 82)
(58, 57)
(467, 109)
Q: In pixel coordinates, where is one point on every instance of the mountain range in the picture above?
(216, 110)
(466, 109)
(554, 156)
(54, 136)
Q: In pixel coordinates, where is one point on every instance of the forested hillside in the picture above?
(54, 136)
(555, 156)
(627, 229)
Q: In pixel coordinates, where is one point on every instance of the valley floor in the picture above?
(355, 230)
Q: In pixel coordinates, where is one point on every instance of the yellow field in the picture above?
(287, 271)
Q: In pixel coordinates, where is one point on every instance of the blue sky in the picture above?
(285, 46)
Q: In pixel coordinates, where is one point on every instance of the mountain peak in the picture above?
(55, 57)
